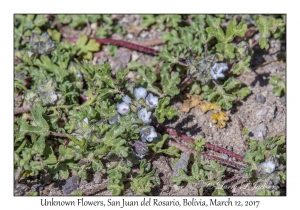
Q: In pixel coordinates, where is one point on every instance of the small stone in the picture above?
(260, 98)
(259, 132)
(182, 163)
(124, 55)
(71, 185)
(97, 178)
(266, 113)
(225, 156)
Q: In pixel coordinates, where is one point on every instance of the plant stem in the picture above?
(58, 134)
(191, 140)
(203, 154)
(22, 109)
(186, 83)
(120, 43)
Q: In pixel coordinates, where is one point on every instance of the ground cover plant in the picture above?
(149, 104)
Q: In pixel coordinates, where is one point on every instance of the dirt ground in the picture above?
(261, 112)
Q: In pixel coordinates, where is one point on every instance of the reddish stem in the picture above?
(191, 140)
(203, 154)
(120, 43)
(22, 109)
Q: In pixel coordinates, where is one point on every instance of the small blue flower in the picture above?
(86, 120)
(144, 115)
(148, 134)
(217, 70)
(123, 108)
(152, 101)
(268, 167)
(140, 93)
(126, 99)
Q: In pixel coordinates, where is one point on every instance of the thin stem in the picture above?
(186, 83)
(226, 181)
(191, 140)
(203, 154)
(58, 134)
(22, 109)
(120, 43)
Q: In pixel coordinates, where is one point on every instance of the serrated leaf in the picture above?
(279, 85)
(242, 66)
(242, 93)
(170, 82)
(39, 146)
(41, 128)
(50, 158)
(162, 111)
(85, 47)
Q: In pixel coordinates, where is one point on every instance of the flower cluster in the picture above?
(218, 69)
(142, 104)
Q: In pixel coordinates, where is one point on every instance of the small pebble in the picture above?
(283, 100)
(260, 98)
(71, 185)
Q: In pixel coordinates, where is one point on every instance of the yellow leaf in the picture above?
(206, 106)
(220, 118)
(190, 103)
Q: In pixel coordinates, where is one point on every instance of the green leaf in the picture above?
(227, 49)
(242, 93)
(85, 47)
(40, 20)
(162, 111)
(219, 192)
(242, 66)
(65, 153)
(76, 193)
(279, 85)
(170, 82)
(266, 27)
(50, 158)
(41, 128)
(38, 146)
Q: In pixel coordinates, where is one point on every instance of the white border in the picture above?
(153, 6)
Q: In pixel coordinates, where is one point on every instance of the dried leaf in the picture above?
(190, 103)
(220, 118)
(206, 106)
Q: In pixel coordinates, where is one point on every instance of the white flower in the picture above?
(268, 167)
(126, 99)
(217, 69)
(51, 97)
(123, 108)
(144, 115)
(152, 101)
(114, 119)
(140, 93)
(148, 133)
(86, 120)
